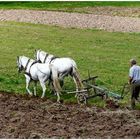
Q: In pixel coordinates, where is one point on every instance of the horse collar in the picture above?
(54, 57)
(27, 64)
(45, 58)
(28, 73)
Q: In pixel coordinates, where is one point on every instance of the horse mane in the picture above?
(43, 52)
(26, 57)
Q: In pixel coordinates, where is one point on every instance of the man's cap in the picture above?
(133, 61)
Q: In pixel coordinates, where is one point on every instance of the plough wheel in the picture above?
(105, 97)
(82, 98)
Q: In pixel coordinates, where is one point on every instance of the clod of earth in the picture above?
(34, 118)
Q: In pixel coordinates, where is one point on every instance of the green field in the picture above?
(105, 54)
(63, 5)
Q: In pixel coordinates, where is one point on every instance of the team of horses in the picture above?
(47, 67)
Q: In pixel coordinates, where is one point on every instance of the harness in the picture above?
(28, 73)
(27, 64)
(45, 58)
(54, 57)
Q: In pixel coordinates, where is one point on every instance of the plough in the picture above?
(92, 90)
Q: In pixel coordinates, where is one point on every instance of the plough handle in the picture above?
(96, 87)
(90, 78)
(122, 94)
(81, 91)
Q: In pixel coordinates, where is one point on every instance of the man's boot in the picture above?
(133, 103)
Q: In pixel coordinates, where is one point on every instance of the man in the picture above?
(134, 81)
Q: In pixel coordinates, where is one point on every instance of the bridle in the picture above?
(26, 66)
(20, 68)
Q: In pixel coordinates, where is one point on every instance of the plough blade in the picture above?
(114, 95)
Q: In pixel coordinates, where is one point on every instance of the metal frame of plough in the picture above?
(92, 90)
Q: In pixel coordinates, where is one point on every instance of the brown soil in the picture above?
(110, 11)
(30, 117)
(100, 21)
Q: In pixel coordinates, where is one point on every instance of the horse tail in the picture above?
(77, 77)
(74, 63)
(55, 79)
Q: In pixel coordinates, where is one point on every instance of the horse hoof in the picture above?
(31, 95)
(58, 102)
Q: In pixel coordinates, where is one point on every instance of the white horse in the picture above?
(35, 71)
(64, 66)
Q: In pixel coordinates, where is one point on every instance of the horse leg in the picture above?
(61, 79)
(58, 97)
(52, 88)
(56, 83)
(35, 85)
(44, 88)
(77, 88)
(27, 85)
(51, 84)
(56, 91)
(61, 82)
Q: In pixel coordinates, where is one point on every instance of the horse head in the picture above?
(19, 64)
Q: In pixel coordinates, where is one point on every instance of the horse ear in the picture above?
(37, 50)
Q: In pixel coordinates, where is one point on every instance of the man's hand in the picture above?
(130, 80)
